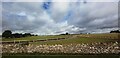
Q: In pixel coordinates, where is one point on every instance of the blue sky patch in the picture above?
(46, 5)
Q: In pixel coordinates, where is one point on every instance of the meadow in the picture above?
(69, 39)
(34, 37)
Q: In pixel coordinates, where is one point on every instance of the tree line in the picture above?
(8, 34)
(115, 31)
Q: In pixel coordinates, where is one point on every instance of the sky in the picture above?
(52, 17)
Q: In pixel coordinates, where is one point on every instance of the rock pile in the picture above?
(62, 48)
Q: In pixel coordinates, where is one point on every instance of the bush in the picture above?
(7, 34)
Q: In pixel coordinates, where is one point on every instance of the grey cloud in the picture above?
(88, 17)
(96, 15)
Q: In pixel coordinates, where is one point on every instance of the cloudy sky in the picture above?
(56, 17)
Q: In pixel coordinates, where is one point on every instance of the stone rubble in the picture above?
(94, 48)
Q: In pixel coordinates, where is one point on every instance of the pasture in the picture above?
(34, 37)
(69, 39)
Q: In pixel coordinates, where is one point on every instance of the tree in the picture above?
(17, 35)
(26, 34)
(67, 33)
(7, 34)
(115, 31)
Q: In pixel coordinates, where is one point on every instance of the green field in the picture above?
(73, 41)
(74, 38)
(34, 37)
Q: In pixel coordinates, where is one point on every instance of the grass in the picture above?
(81, 38)
(34, 37)
(63, 56)
(104, 35)
(74, 39)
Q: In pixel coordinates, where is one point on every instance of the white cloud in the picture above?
(22, 14)
(83, 17)
(60, 7)
(58, 10)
